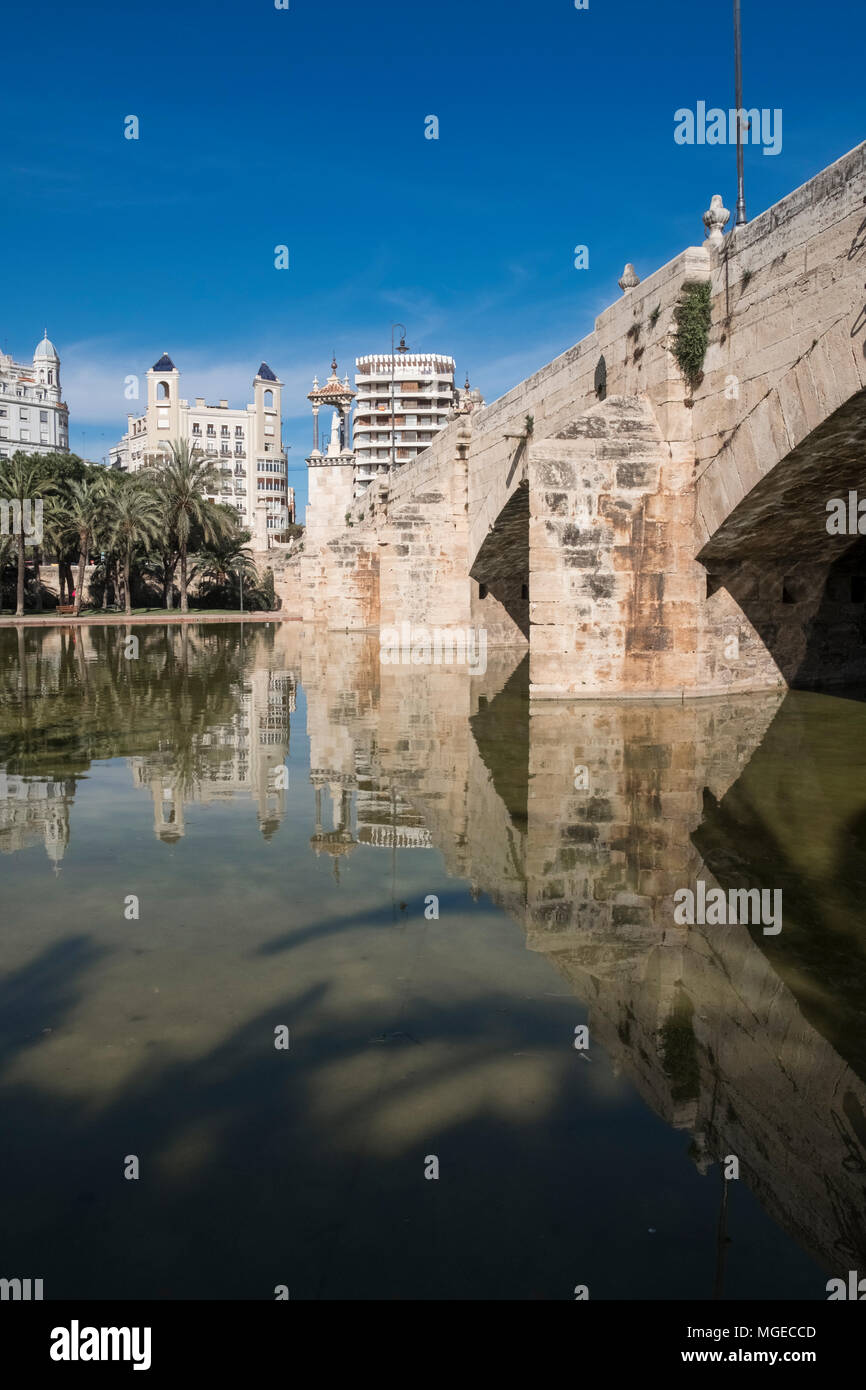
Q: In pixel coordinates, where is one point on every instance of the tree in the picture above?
(181, 478)
(84, 502)
(22, 484)
(7, 545)
(228, 556)
(132, 520)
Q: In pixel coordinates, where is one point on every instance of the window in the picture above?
(163, 392)
(211, 432)
(224, 431)
(196, 429)
(269, 400)
(23, 413)
(25, 434)
(239, 431)
(43, 416)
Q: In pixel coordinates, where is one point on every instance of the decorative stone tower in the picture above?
(46, 364)
(331, 477)
(331, 474)
(163, 404)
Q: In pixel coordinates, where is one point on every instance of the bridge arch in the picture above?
(800, 583)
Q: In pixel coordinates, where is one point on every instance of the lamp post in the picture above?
(402, 348)
(738, 83)
(241, 577)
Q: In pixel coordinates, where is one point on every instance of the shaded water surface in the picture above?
(288, 817)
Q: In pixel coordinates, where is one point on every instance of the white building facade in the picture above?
(403, 401)
(246, 444)
(33, 417)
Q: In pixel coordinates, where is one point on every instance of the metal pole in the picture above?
(738, 82)
(241, 576)
(393, 371)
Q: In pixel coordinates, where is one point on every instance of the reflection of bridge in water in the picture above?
(747, 1043)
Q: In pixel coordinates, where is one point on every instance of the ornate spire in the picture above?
(714, 220)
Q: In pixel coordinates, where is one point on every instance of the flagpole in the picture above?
(738, 70)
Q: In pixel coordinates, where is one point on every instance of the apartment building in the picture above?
(33, 417)
(246, 444)
(403, 401)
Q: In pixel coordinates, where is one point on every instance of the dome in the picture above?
(46, 351)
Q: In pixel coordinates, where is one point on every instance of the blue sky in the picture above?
(305, 127)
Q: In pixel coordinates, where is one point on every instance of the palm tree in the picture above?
(59, 538)
(166, 555)
(6, 547)
(22, 482)
(182, 478)
(110, 484)
(132, 520)
(228, 555)
(84, 501)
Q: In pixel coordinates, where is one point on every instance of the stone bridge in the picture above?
(643, 531)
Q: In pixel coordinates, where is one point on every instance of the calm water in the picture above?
(284, 811)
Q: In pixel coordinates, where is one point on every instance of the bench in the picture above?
(64, 608)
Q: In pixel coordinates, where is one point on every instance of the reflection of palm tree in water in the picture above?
(162, 703)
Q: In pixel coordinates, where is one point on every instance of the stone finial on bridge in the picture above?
(628, 279)
(715, 218)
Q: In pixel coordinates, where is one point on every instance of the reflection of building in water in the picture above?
(244, 756)
(339, 840)
(34, 809)
(382, 818)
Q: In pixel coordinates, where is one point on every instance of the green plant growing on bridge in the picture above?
(692, 317)
(529, 425)
(655, 316)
